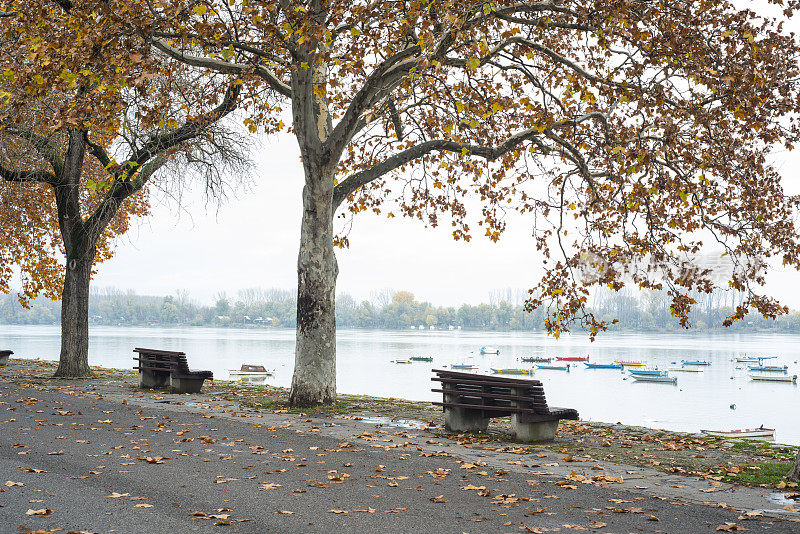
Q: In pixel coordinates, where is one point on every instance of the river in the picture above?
(720, 397)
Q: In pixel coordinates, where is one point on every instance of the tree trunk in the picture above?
(314, 380)
(74, 360)
(794, 472)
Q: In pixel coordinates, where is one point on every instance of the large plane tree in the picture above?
(88, 117)
(634, 134)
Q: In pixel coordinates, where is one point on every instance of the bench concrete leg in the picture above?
(3, 359)
(539, 431)
(186, 385)
(150, 379)
(465, 420)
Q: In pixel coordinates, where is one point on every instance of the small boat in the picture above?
(631, 364)
(647, 372)
(655, 378)
(251, 370)
(489, 350)
(465, 366)
(685, 370)
(536, 359)
(512, 371)
(754, 359)
(572, 359)
(768, 368)
(554, 367)
(402, 361)
(602, 365)
(421, 358)
(759, 432)
(695, 362)
(773, 378)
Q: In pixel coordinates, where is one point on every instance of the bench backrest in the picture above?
(493, 390)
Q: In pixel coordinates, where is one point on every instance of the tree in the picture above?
(632, 131)
(79, 88)
(794, 472)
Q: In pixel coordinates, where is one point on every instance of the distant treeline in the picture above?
(646, 311)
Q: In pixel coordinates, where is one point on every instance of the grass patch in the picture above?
(766, 473)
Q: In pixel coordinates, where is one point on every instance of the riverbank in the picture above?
(743, 462)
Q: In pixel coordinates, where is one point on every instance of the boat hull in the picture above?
(512, 371)
(602, 365)
(250, 373)
(658, 379)
(745, 433)
(791, 379)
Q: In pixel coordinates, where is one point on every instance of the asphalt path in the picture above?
(77, 460)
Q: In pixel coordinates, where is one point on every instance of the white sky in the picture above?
(252, 241)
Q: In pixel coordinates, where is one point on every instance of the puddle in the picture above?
(411, 424)
(780, 499)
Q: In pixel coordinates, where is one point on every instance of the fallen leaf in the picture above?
(438, 498)
(44, 512)
(730, 527)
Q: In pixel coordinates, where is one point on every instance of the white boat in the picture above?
(656, 378)
(774, 378)
(250, 370)
(685, 370)
(760, 432)
(489, 350)
(402, 361)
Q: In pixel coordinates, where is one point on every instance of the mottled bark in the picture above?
(74, 359)
(314, 380)
(794, 472)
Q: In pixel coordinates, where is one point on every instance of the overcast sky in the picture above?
(252, 241)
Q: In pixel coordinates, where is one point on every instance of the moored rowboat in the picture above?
(602, 365)
(572, 358)
(654, 378)
(466, 366)
(695, 362)
(512, 371)
(489, 350)
(685, 370)
(536, 359)
(422, 358)
(631, 364)
(647, 372)
(760, 432)
(250, 370)
(774, 378)
(402, 361)
(554, 367)
(769, 368)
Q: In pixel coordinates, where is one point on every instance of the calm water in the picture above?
(700, 400)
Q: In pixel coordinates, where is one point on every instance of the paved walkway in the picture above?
(116, 460)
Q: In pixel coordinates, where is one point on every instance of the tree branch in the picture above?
(224, 67)
(44, 146)
(490, 153)
(27, 176)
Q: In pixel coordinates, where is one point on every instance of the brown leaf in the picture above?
(730, 527)
(43, 512)
(438, 498)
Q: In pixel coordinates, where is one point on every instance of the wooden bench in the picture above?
(4, 354)
(162, 368)
(470, 400)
